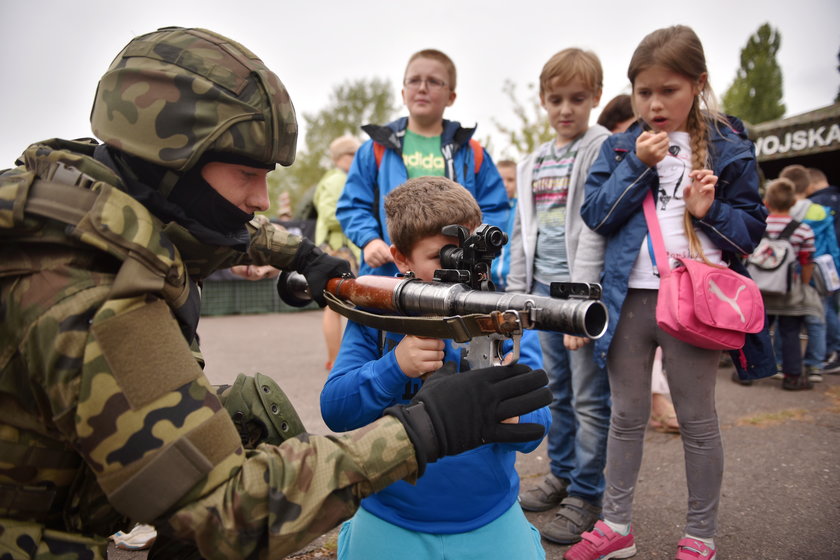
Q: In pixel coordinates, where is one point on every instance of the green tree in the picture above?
(351, 104)
(532, 128)
(837, 98)
(756, 93)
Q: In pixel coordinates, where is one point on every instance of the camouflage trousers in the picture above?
(23, 540)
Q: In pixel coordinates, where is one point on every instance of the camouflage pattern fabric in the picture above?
(105, 414)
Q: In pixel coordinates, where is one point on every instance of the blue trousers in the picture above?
(580, 414)
(823, 335)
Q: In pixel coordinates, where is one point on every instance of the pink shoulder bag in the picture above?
(705, 305)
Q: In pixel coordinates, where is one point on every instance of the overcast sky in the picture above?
(53, 52)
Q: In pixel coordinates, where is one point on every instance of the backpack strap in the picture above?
(378, 152)
(478, 154)
(787, 233)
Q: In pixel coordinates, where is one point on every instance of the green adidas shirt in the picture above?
(422, 155)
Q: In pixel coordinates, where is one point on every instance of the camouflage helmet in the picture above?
(176, 94)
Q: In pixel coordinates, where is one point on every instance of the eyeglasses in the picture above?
(432, 84)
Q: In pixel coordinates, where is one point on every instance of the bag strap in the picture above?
(787, 233)
(655, 235)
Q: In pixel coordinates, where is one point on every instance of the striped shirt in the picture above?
(802, 239)
(550, 189)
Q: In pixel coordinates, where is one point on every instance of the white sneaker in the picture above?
(140, 537)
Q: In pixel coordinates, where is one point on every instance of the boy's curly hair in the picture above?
(421, 207)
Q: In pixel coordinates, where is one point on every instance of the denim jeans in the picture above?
(832, 323)
(580, 414)
(815, 328)
(823, 337)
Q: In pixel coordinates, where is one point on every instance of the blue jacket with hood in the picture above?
(456, 494)
(361, 208)
(617, 184)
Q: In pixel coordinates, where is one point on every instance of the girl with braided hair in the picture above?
(701, 169)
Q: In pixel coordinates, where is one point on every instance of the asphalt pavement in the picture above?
(781, 487)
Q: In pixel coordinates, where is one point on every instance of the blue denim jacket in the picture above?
(612, 207)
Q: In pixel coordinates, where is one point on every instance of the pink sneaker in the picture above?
(691, 549)
(602, 543)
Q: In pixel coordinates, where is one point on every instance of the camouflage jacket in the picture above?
(105, 413)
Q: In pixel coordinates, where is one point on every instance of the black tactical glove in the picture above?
(318, 267)
(453, 413)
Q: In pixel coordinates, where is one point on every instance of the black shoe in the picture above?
(737, 379)
(545, 495)
(832, 366)
(796, 383)
(575, 517)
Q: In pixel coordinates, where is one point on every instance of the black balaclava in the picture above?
(193, 202)
(201, 202)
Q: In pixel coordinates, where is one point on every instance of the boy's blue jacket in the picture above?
(361, 208)
(456, 494)
(617, 184)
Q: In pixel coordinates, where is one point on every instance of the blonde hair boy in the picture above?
(570, 64)
(550, 243)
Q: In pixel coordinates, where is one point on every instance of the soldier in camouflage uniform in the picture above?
(105, 415)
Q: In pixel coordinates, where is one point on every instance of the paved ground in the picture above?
(781, 491)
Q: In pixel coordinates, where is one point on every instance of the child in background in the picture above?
(421, 144)
(617, 115)
(550, 243)
(788, 311)
(501, 264)
(690, 150)
(823, 193)
(328, 234)
(820, 329)
(464, 506)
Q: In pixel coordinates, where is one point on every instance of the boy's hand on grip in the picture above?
(455, 412)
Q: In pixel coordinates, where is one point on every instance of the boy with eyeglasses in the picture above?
(422, 144)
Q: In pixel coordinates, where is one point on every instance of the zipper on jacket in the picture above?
(612, 208)
(714, 229)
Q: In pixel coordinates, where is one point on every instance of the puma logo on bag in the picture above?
(732, 301)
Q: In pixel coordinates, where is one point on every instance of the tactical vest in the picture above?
(100, 217)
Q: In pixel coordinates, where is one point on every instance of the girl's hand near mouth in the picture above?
(652, 147)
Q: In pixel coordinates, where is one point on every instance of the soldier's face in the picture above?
(243, 186)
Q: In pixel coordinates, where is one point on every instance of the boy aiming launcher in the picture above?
(461, 302)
